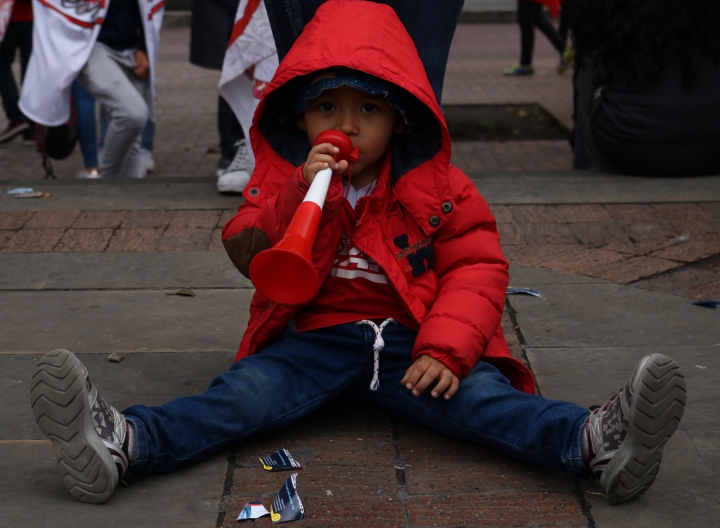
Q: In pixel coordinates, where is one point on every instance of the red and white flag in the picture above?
(250, 61)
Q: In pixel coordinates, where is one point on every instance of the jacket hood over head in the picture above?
(364, 36)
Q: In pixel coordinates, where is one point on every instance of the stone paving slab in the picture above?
(119, 271)
(108, 195)
(582, 187)
(145, 378)
(35, 322)
(31, 492)
(612, 315)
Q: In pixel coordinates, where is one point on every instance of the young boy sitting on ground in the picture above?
(408, 314)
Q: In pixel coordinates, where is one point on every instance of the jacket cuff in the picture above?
(455, 344)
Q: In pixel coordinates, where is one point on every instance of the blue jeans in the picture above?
(87, 131)
(300, 372)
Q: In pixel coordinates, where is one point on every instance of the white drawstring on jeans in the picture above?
(378, 345)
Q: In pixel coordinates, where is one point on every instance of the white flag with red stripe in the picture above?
(250, 61)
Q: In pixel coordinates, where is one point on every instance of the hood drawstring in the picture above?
(378, 345)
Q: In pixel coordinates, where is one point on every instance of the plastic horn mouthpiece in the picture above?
(285, 273)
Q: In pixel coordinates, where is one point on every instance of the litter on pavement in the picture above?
(185, 292)
(708, 303)
(252, 510)
(523, 291)
(287, 506)
(116, 357)
(280, 461)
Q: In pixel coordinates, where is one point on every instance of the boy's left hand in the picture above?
(142, 64)
(426, 370)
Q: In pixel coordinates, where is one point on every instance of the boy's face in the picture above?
(368, 120)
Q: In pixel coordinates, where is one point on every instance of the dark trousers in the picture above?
(17, 36)
(229, 129)
(530, 16)
(567, 15)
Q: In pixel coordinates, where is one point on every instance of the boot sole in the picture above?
(59, 399)
(655, 413)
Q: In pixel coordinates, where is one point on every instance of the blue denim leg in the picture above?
(293, 376)
(87, 130)
(300, 372)
(485, 410)
(147, 139)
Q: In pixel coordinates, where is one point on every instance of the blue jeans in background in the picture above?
(302, 371)
(87, 131)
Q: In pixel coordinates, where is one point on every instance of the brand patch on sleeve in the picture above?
(420, 256)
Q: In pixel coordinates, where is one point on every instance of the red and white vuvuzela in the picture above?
(285, 272)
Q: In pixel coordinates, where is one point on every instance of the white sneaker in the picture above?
(236, 176)
(233, 182)
(147, 160)
(86, 174)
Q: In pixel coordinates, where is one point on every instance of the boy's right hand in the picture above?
(321, 157)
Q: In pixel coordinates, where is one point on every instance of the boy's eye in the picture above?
(326, 107)
(368, 108)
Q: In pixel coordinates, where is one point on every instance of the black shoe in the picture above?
(13, 129)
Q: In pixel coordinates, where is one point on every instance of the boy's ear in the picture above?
(301, 124)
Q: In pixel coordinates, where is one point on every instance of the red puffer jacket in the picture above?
(454, 282)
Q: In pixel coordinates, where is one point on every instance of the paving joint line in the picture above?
(512, 313)
(400, 473)
(577, 490)
(227, 486)
(687, 265)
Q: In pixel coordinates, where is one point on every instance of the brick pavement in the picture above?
(186, 136)
(670, 248)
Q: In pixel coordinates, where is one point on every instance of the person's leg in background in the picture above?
(147, 142)
(116, 88)
(14, 36)
(25, 46)
(567, 14)
(87, 131)
(544, 25)
(526, 20)
(230, 133)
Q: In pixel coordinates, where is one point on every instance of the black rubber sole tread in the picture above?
(656, 411)
(59, 400)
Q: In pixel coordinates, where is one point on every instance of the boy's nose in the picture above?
(347, 125)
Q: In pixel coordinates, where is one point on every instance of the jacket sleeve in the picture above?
(259, 226)
(473, 276)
